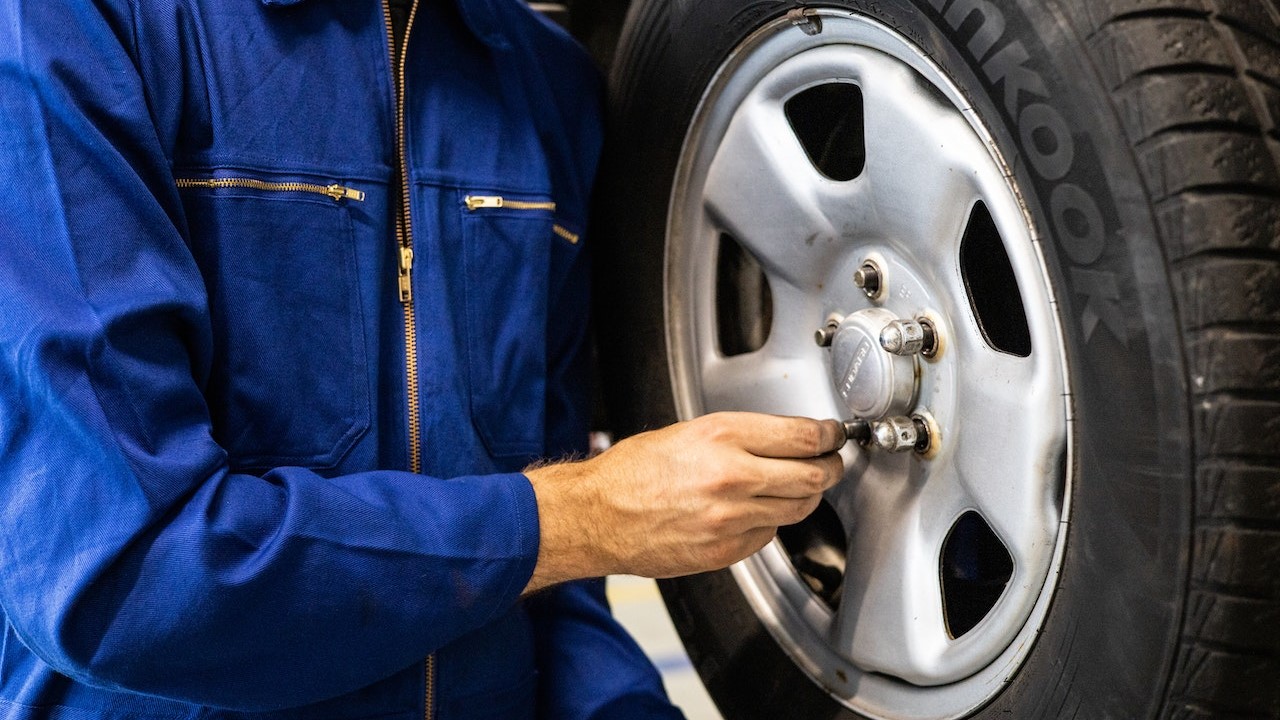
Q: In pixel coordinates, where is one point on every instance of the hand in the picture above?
(695, 496)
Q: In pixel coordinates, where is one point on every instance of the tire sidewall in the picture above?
(1107, 643)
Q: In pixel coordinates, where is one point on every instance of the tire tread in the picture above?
(1198, 222)
(1201, 78)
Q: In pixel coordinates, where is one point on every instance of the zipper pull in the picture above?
(340, 192)
(475, 202)
(406, 275)
(565, 233)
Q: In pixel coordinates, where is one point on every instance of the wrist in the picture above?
(572, 542)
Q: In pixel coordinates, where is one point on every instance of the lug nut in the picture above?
(895, 434)
(826, 334)
(900, 434)
(868, 278)
(909, 337)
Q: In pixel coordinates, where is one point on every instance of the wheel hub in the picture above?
(873, 383)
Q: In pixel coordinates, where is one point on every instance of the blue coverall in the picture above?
(261, 425)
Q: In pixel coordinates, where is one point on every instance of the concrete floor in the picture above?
(638, 606)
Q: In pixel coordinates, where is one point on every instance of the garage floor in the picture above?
(638, 606)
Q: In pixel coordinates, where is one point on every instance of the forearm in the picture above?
(688, 498)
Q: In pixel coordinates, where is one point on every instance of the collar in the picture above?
(480, 16)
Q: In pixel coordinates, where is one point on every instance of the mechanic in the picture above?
(294, 296)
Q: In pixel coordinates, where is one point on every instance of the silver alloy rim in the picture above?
(1001, 420)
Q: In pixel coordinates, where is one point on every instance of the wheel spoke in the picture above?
(890, 617)
(795, 314)
(1005, 444)
(921, 160)
(761, 189)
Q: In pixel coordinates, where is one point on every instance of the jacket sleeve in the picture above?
(130, 556)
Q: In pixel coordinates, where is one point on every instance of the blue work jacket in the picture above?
(260, 441)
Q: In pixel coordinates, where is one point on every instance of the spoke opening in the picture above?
(744, 302)
(976, 567)
(828, 121)
(992, 287)
(817, 549)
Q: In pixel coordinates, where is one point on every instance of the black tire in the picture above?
(1168, 604)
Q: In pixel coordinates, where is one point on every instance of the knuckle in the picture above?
(711, 428)
(816, 477)
(834, 471)
(808, 506)
(719, 519)
(721, 480)
(809, 437)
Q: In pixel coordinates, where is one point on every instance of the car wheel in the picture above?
(1030, 251)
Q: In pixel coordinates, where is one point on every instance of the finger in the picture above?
(779, 436)
(795, 478)
(770, 513)
(757, 539)
(738, 548)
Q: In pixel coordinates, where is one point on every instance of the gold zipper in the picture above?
(404, 243)
(565, 233)
(476, 202)
(482, 202)
(431, 687)
(404, 246)
(335, 191)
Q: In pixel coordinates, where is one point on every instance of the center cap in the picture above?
(872, 382)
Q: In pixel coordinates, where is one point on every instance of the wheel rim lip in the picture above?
(785, 607)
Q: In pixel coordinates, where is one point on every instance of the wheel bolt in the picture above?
(868, 278)
(909, 337)
(924, 439)
(826, 334)
(900, 434)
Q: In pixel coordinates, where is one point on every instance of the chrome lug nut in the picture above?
(869, 278)
(900, 434)
(910, 337)
(895, 434)
(826, 334)
(902, 337)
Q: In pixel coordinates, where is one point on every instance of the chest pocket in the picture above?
(514, 249)
(289, 383)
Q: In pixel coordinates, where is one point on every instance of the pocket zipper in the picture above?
(565, 233)
(478, 202)
(335, 191)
